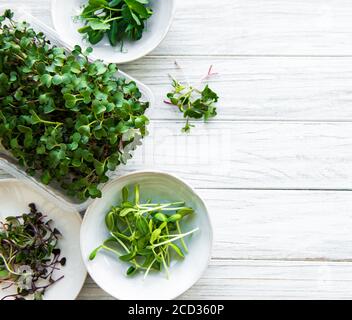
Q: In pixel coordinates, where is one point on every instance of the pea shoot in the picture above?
(147, 235)
(120, 20)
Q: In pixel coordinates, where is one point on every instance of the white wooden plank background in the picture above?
(276, 165)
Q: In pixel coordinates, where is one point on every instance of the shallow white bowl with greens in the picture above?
(63, 17)
(110, 273)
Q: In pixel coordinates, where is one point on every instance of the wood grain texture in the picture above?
(248, 27)
(252, 88)
(256, 27)
(284, 122)
(233, 279)
(283, 226)
(280, 225)
(274, 155)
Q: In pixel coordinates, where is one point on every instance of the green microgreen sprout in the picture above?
(66, 120)
(29, 255)
(192, 102)
(146, 235)
(120, 20)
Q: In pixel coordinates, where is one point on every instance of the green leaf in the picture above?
(41, 149)
(155, 235)
(76, 137)
(113, 162)
(99, 108)
(176, 249)
(97, 24)
(46, 177)
(138, 8)
(141, 121)
(128, 257)
(131, 271)
(28, 136)
(99, 167)
(125, 194)
(94, 192)
(114, 3)
(76, 163)
(4, 273)
(46, 79)
(185, 212)
(135, 17)
(126, 211)
(98, 3)
(94, 253)
(142, 225)
(57, 79)
(161, 217)
(95, 37)
(110, 221)
(14, 143)
(84, 130)
(70, 100)
(113, 33)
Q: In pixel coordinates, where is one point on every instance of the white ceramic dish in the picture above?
(63, 12)
(9, 164)
(14, 199)
(109, 272)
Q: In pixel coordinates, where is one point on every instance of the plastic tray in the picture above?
(9, 164)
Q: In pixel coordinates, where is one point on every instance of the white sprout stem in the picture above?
(148, 270)
(162, 207)
(121, 243)
(176, 238)
(165, 266)
(112, 250)
(8, 267)
(182, 72)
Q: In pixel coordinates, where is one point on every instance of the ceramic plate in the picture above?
(14, 199)
(64, 11)
(109, 272)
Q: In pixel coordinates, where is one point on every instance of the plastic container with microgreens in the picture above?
(9, 164)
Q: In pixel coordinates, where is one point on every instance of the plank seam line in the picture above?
(156, 56)
(276, 189)
(313, 121)
(302, 260)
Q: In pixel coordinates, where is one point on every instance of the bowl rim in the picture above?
(126, 59)
(169, 175)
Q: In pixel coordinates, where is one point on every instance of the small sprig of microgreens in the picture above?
(145, 234)
(29, 255)
(192, 102)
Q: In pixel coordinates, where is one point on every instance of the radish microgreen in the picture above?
(65, 119)
(192, 102)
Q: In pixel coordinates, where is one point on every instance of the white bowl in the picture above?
(110, 273)
(63, 12)
(15, 196)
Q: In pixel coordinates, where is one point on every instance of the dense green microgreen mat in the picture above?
(62, 117)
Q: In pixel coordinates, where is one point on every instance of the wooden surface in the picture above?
(275, 167)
